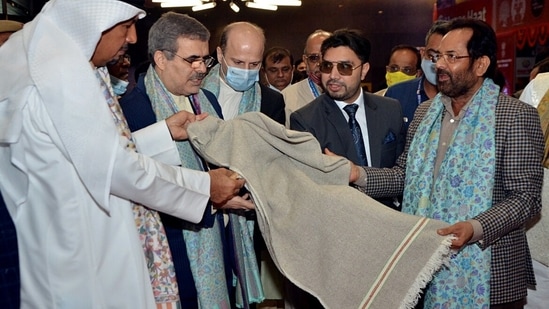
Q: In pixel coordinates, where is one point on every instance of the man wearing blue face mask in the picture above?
(235, 83)
(118, 70)
(413, 92)
(235, 80)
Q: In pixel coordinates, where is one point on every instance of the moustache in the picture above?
(441, 71)
(196, 76)
(334, 82)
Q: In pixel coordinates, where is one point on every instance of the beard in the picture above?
(344, 92)
(457, 84)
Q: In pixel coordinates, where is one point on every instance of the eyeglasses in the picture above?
(344, 68)
(406, 70)
(314, 58)
(449, 57)
(195, 61)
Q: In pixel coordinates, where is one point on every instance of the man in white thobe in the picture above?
(64, 175)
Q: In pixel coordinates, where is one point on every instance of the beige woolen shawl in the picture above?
(329, 239)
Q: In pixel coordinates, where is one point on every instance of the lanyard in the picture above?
(418, 92)
(313, 88)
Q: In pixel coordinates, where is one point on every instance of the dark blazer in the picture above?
(323, 118)
(138, 111)
(9, 261)
(516, 198)
(410, 94)
(272, 104)
(139, 114)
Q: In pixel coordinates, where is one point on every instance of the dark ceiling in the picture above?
(385, 22)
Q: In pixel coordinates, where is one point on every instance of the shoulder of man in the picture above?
(314, 110)
(295, 87)
(375, 101)
(272, 97)
(509, 104)
(272, 104)
(398, 89)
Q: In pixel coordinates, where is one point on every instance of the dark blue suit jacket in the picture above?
(9, 261)
(410, 94)
(139, 114)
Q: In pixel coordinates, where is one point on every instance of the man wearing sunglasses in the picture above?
(371, 135)
(305, 91)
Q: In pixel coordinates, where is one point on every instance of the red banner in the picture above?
(478, 9)
(506, 60)
(516, 14)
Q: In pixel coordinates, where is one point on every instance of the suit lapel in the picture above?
(374, 122)
(335, 117)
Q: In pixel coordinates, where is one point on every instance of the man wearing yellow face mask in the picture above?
(404, 64)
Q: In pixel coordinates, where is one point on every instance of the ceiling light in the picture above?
(279, 2)
(205, 6)
(179, 3)
(255, 5)
(234, 7)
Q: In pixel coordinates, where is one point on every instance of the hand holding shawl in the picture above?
(331, 240)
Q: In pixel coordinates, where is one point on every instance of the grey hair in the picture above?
(438, 27)
(167, 29)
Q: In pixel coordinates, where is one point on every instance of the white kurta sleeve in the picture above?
(180, 192)
(156, 142)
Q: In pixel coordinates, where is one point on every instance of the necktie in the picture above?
(357, 134)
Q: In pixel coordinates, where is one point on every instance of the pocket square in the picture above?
(389, 138)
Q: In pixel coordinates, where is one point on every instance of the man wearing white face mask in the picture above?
(235, 80)
(413, 92)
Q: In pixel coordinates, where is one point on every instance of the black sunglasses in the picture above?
(344, 68)
(314, 58)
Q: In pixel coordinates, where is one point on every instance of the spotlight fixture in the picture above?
(279, 2)
(234, 7)
(205, 6)
(179, 3)
(255, 5)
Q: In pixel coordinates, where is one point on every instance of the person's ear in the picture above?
(365, 69)
(481, 65)
(219, 54)
(160, 60)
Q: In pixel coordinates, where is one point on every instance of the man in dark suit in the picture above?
(344, 65)
(178, 47)
(473, 159)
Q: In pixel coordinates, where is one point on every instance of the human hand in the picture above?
(224, 185)
(463, 231)
(355, 169)
(178, 122)
(238, 202)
